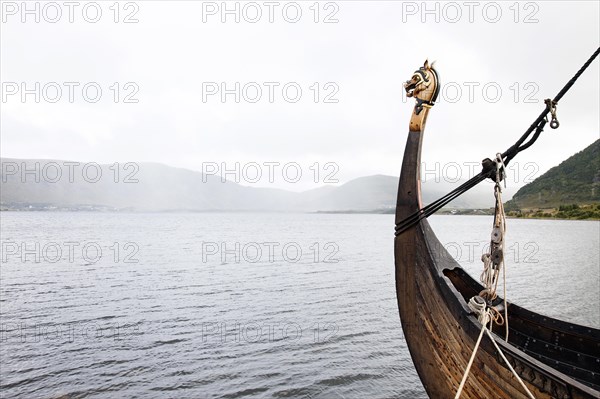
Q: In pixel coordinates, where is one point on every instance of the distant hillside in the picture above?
(160, 188)
(574, 181)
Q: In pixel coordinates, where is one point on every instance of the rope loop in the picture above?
(496, 316)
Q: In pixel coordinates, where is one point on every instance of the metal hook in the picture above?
(552, 108)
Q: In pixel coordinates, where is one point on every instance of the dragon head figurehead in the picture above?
(424, 86)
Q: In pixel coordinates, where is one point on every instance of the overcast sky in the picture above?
(176, 56)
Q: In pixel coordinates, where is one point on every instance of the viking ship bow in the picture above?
(554, 358)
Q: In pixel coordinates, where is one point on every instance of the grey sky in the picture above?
(375, 46)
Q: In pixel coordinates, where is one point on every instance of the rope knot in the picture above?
(478, 305)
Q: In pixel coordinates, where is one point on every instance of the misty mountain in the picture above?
(53, 184)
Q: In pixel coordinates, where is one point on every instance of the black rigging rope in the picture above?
(490, 167)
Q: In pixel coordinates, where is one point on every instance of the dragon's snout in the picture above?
(411, 86)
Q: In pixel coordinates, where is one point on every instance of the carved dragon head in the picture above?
(424, 86)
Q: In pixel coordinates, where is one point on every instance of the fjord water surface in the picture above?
(232, 305)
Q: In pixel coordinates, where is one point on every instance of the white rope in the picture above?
(487, 275)
(466, 374)
(485, 316)
(508, 364)
(505, 304)
(477, 305)
(502, 215)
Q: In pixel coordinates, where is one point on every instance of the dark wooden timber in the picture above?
(556, 359)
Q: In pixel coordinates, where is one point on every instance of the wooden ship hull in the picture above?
(555, 359)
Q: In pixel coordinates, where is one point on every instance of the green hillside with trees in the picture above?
(569, 190)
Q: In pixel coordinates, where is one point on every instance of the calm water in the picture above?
(244, 305)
